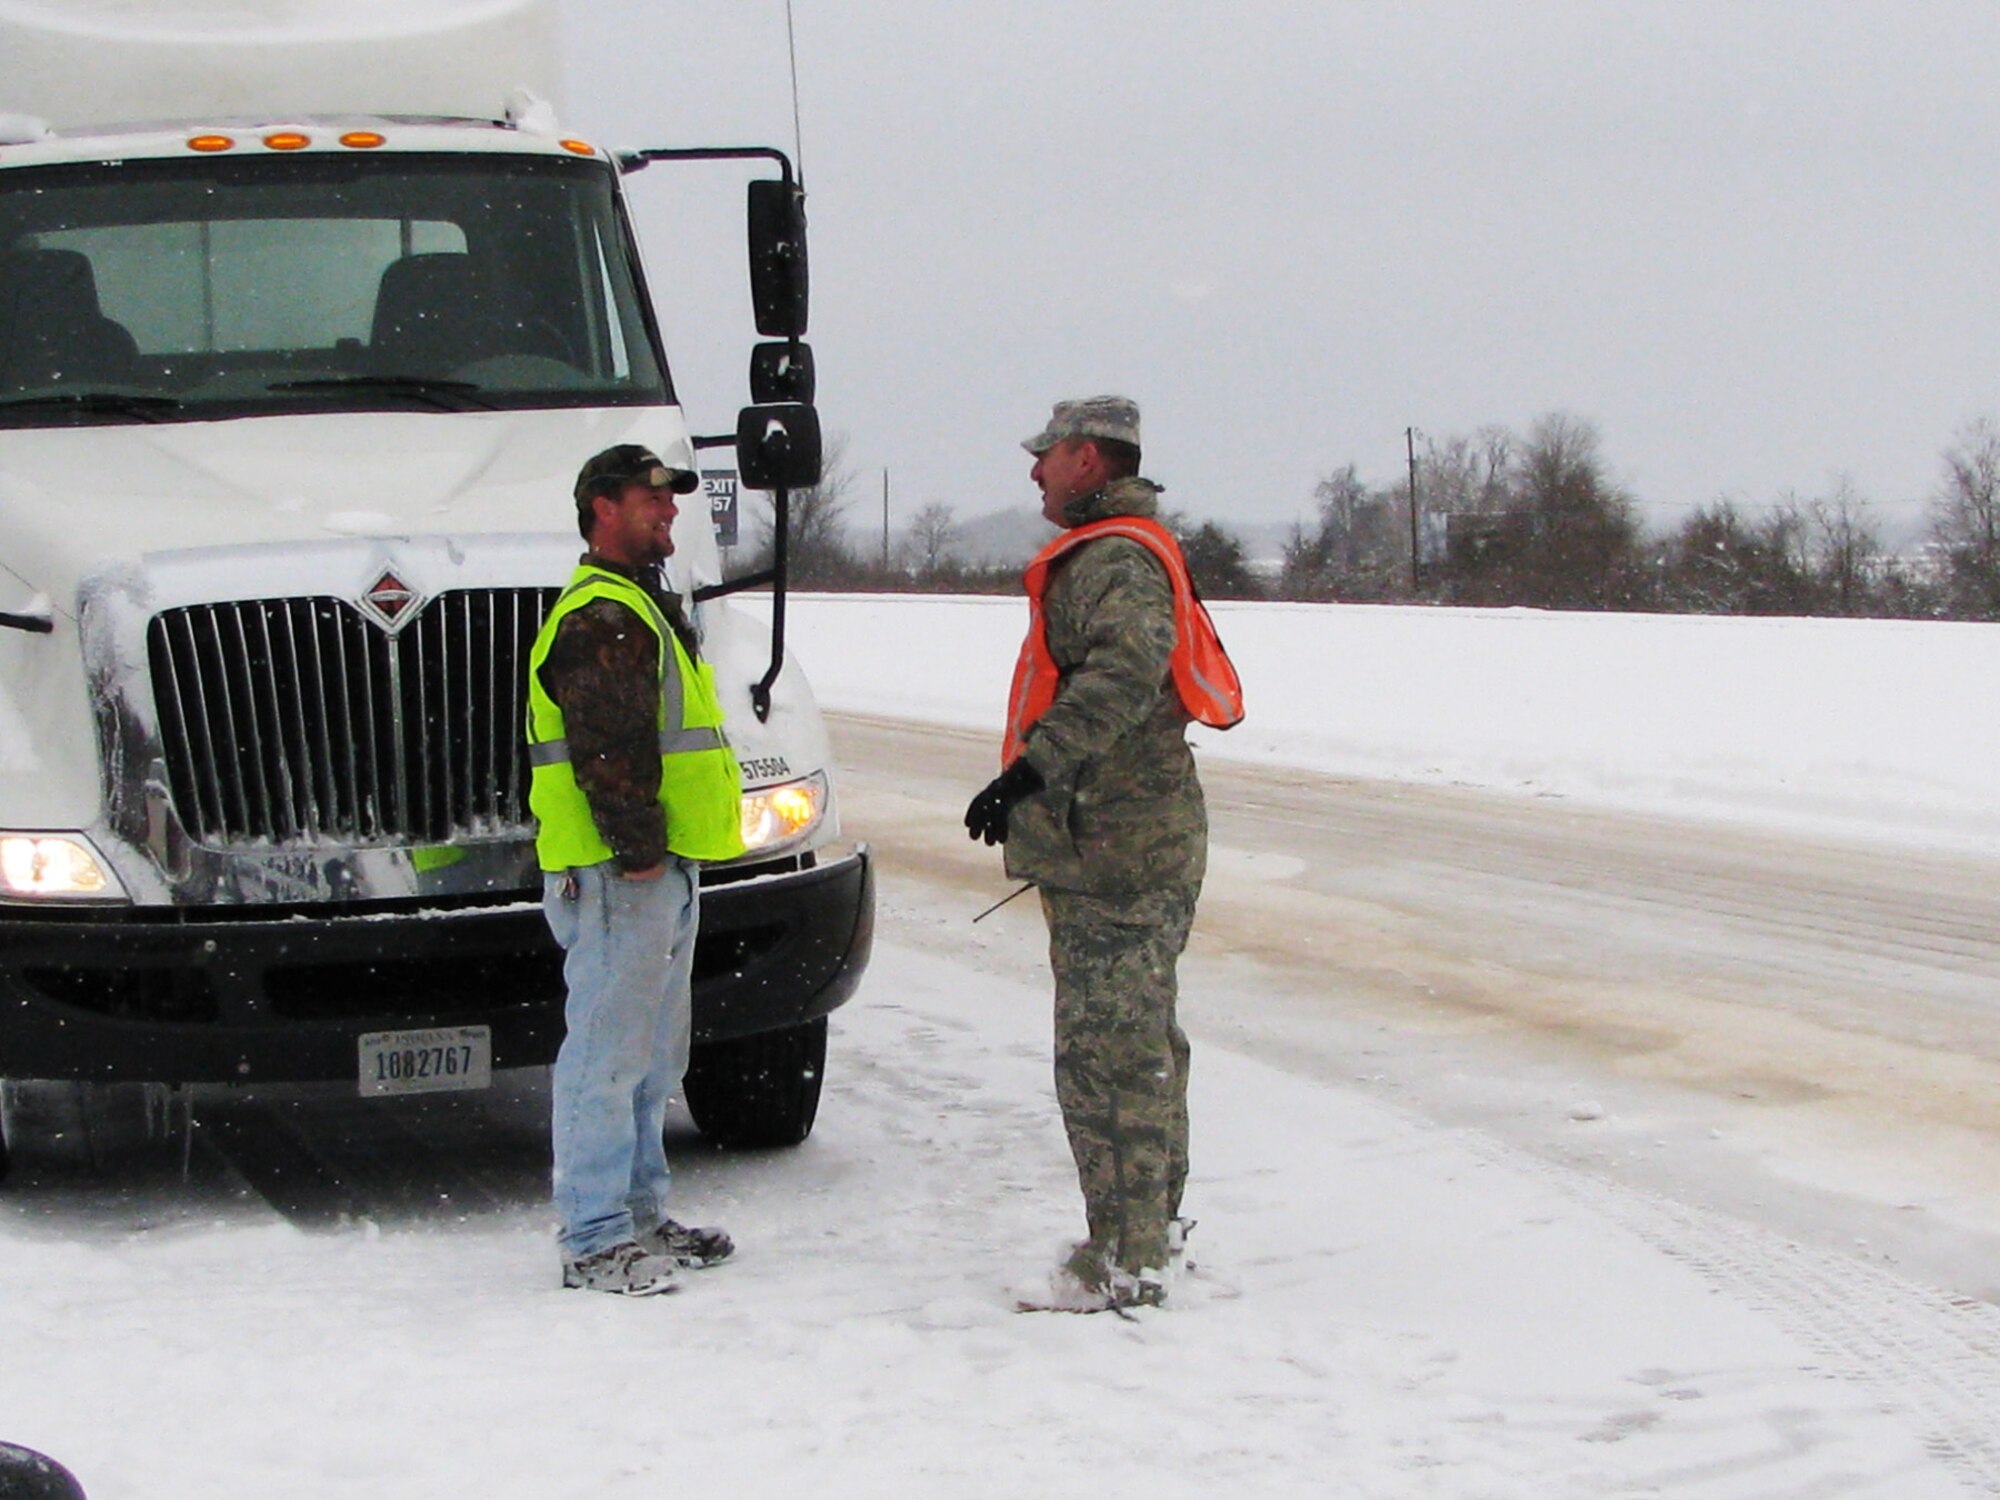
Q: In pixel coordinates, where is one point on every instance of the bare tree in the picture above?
(1965, 521)
(1791, 529)
(1468, 474)
(1359, 550)
(1303, 573)
(933, 533)
(816, 536)
(1844, 550)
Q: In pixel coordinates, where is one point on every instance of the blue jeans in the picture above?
(629, 966)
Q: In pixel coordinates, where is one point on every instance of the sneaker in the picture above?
(624, 1270)
(690, 1249)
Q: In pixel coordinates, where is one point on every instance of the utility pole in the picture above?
(1410, 443)
(885, 523)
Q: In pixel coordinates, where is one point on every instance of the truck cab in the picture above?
(290, 408)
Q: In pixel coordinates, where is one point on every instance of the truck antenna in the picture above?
(798, 140)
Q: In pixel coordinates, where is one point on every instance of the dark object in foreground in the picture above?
(28, 1475)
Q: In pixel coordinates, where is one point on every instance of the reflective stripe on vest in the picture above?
(700, 784)
(1203, 676)
(672, 742)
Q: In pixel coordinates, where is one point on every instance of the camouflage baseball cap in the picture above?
(1112, 417)
(628, 463)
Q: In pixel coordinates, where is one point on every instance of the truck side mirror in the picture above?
(778, 447)
(782, 372)
(778, 279)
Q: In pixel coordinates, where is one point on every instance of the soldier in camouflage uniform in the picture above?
(1102, 811)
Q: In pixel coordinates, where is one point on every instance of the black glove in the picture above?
(986, 815)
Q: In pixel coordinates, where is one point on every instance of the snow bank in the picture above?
(1877, 727)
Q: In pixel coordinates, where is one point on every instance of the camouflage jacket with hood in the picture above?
(1122, 811)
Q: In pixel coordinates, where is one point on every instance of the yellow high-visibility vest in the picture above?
(701, 786)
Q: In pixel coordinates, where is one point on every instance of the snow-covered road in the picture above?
(1422, 1273)
(1803, 1032)
(1387, 1307)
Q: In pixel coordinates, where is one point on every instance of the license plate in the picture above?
(433, 1060)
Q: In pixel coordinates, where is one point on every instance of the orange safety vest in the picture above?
(1203, 674)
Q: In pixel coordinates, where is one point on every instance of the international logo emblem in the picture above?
(390, 601)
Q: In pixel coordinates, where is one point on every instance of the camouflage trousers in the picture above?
(1121, 1062)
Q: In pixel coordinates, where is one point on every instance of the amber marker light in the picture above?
(364, 140)
(581, 148)
(212, 143)
(287, 140)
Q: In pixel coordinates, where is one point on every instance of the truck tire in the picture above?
(758, 1090)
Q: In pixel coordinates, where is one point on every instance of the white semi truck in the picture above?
(296, 372)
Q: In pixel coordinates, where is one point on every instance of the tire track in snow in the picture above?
(1929, 1354)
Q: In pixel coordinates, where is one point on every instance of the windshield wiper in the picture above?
(112, 403)
(452, 395)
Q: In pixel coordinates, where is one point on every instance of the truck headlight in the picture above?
(777, 816)
(54, 867)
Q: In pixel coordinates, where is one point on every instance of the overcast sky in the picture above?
(1753, 242)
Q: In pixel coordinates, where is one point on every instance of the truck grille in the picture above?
(299, 721)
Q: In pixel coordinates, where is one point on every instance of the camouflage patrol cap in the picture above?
(628, 463)
(1111, 417)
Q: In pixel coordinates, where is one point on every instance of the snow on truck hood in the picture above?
(77, 501)
(77, 63)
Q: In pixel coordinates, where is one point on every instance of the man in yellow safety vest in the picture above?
(632, 782)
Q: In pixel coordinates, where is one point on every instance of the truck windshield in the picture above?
(195, 289)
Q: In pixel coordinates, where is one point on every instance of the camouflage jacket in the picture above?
(603, 670)
(1123, 810)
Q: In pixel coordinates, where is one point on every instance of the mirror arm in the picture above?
(634, 161)
(760, 690)
(33, 624)
(710, 591)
